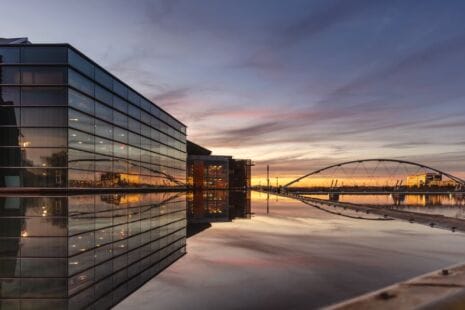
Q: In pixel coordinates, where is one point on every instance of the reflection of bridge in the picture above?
(368, 172)
(378, 212)
(454, 186)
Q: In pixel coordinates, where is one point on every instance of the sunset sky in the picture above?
(297, 85)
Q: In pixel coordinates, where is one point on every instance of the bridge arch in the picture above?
(450, 176)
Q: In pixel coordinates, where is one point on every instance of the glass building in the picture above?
(208, 171)
(67, 123)
(85, 251)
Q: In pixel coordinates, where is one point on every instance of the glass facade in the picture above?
(67, 123)
(85, 251)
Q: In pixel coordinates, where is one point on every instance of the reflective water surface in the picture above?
(85, 251)
(206, 207)
(451, 205)
(289, 255)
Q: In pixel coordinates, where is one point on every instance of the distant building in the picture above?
(424, 179)
(206, 171)
(240, 173)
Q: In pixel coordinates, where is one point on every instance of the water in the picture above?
(244, 250)
(452, 205)
(289, 255)
(81, 251)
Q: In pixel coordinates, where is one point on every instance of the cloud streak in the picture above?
(292, 83)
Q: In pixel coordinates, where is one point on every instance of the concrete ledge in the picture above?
(441, 289)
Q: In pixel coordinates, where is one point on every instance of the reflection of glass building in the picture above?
(86, 251)
(66, 122)
(217, 206)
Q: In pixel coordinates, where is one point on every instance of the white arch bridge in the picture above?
(377, 174)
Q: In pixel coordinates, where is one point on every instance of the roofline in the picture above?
(216, 156)
(94, 63)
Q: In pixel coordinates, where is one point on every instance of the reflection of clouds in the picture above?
(295, 257)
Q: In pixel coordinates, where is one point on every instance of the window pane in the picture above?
(44, 247)
(81, 140)
(43, 137)
(145, 130)
(78, 178)
(103, 146)
(9, 136)
(38, 177)
(120, 166)
(9, 157)
(120, 104)
(9, 177)
(43, 75)
(9, 116)
(43, 157)
(10, 289)
(43, 96)
(9, 55)
(81, 102)
(35, 206)
(81, 160)
(43, 267)
(9, 75)
(44, 116)
(120, 119)
(8, 247)
(103, 78)
(81, 121)
(120, 89)
(120, 150)
(80, 63)
(103, 129)
(103, 163)
(9, 95)
(120, 135)
(80, 82)
(134, 153)
(43, 54)
(134, 125)
(134, 139)
(134, 111)
(103, 95)
(134, 98)
(103, 112)
(43, 288)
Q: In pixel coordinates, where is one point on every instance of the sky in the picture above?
(297, 85)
